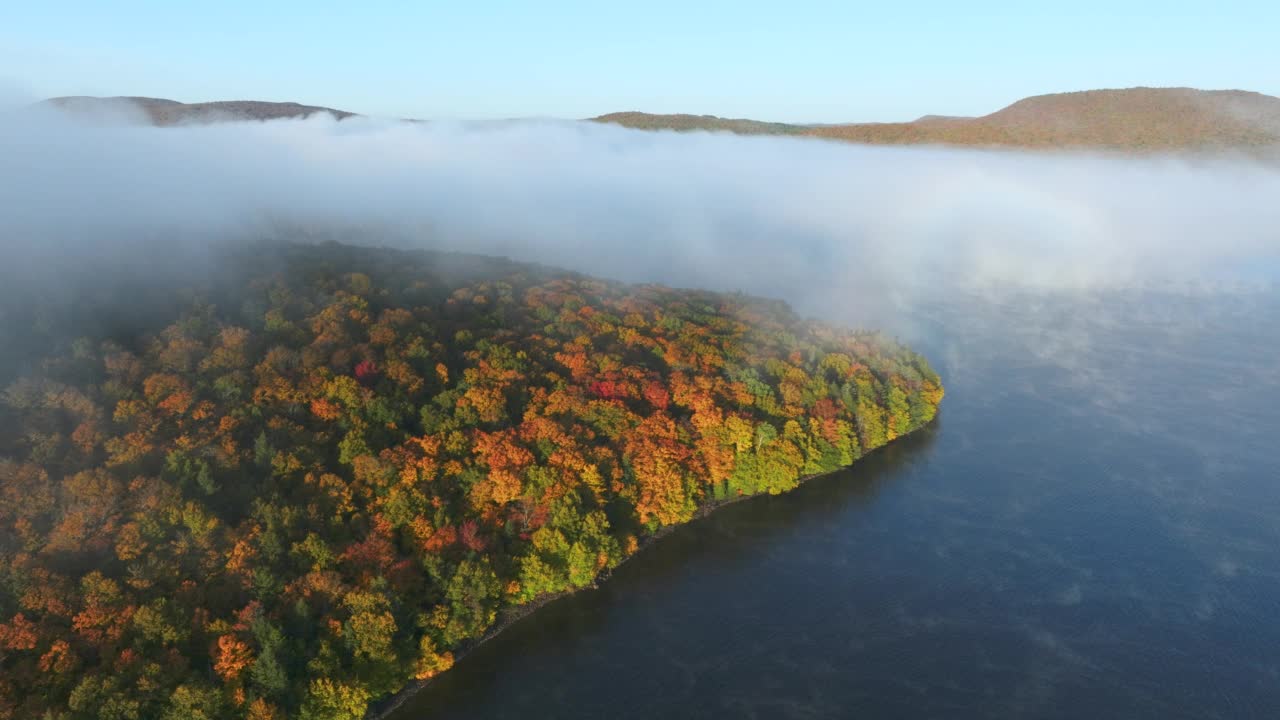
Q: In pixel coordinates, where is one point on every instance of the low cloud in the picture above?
(816, 222)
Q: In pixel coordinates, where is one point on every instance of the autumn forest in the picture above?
(292, 487)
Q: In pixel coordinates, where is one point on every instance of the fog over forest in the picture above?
(821, 224)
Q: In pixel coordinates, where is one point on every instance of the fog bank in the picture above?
(816, 222)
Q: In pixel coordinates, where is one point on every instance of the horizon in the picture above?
(641, 111)
(817, 63)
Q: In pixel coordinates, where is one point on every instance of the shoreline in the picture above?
(517, 613)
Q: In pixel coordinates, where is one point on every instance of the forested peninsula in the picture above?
(292, 486)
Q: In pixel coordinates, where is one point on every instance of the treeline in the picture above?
(331, 468)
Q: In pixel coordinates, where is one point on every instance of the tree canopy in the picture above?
(323, 471)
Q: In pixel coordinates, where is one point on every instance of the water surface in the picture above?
(1089, 529)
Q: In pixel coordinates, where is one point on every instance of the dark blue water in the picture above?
(1090, 529)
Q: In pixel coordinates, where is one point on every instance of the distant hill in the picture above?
(645, 121)
(1131, 119)
(171, 112)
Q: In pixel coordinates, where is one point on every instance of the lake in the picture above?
(1090, 528)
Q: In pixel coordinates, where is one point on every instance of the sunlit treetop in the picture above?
(325, 471)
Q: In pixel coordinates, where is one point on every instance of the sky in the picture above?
(800, 61)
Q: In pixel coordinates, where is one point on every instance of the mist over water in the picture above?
(820, 223)
(1089, 528)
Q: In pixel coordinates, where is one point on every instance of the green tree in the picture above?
(472, 598)
(195, 702)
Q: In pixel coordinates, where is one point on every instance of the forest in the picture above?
(291, 486)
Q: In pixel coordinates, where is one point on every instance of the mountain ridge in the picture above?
(1139, 118)
(164, 112)
(1129, 119)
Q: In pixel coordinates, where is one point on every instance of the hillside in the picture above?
(172, 112)
(291, 487)
(1132, 119)
(645, 121)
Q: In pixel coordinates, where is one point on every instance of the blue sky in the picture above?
(791, 61)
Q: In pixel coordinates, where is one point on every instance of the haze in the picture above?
(812, 221)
